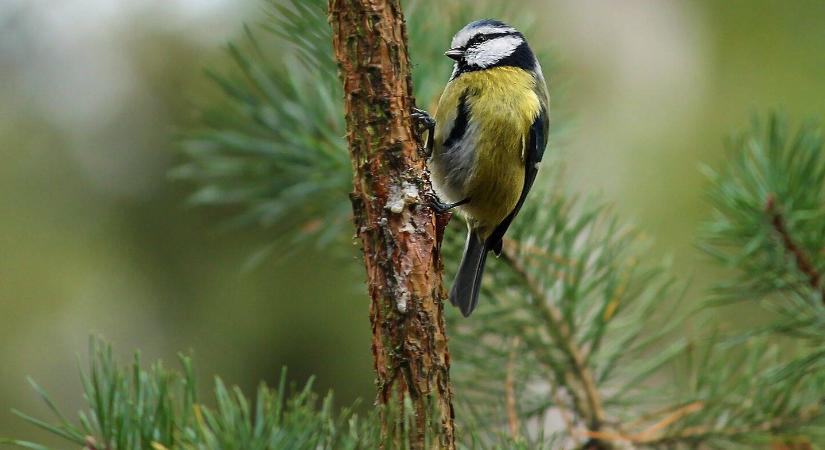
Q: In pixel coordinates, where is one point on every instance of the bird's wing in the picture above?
(532, 157)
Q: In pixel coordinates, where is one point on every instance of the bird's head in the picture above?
(488, 43)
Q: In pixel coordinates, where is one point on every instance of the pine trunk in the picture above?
(397, 230)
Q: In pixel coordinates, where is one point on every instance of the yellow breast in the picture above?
(503, 105)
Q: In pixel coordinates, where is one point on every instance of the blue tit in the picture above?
(490, 131)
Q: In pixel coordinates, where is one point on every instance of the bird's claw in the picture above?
(423, 118)
(424, 122)
(435, 203)
(440, 207)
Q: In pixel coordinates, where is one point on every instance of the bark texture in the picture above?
(397, 230)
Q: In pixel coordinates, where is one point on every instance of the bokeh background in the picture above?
(95, 238)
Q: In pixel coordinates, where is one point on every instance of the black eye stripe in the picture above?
(479, 38)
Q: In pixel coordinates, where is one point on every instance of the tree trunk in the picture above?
(396, 228)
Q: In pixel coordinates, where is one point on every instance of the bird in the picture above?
(486, 141)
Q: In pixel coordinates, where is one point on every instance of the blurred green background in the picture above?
(94, 238)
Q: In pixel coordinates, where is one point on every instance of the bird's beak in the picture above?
(454, 53)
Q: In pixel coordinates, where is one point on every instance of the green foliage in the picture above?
(130, 408)
(127, 407)
(768, 228)
(263, 148)
(744, 404)
(770, 175)
(276, 422)
(567, 309)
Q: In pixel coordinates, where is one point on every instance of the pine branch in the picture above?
(803, 262)
(708, 432)
(563, 305)
(768, 216)
(564, 338)
(510, 388)
(768, 223)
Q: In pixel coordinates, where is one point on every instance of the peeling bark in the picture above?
(398, 232)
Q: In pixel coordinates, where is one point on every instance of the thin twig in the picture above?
(704, 431)
(671, 419)
(653, 432)
(803, 445)
(566, 415)
(510, 389)
(566, 340)
(645, 418)
(803, 262)
(91, 444)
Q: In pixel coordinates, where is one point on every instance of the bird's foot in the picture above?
(423, 121)
(440, 207)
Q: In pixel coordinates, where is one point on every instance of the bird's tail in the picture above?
(467, 283)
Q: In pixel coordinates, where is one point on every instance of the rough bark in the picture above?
(397, 230)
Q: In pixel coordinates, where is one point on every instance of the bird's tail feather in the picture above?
(467, 283)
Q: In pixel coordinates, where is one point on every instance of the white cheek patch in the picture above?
(463, 37)
(488, 53)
